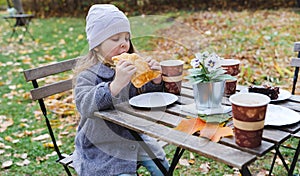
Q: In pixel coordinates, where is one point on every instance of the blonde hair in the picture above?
(84, 62)
(92, 58)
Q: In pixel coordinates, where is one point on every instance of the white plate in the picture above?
(153, 99)
(283, 94)
(278, 115)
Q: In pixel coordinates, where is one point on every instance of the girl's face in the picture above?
(115, 45)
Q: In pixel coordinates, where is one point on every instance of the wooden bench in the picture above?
(40, 92)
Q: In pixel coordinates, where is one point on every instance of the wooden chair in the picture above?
(40, 92)
(295, 62)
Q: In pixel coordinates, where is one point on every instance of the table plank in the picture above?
(261, 150)
(155, 114)
(230, 156)
(163, 116)
(297, 135)
(275, 135)
(290, 128)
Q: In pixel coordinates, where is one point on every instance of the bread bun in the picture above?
(143, 73)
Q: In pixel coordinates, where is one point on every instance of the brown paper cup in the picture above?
(232, 66)
(249, 111)
(230, 87)
(172, 75)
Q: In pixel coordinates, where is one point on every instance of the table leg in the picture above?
(278, 153)
(178, 153)
(281, 157)
(273, 162)
(13, 32)
(13, 28)
(245, 171)
(26, 29)
(296, 155)
(274, 159)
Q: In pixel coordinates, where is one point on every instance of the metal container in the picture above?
(208, 95)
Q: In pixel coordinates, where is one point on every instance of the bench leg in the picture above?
(67, 170)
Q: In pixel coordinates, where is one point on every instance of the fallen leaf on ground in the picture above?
(6, 164)
(23, 163)
(184, 162)
(6, 123)
(204, 168)
(263, 173)
(192, 158)
(8, 138)
(41, 137)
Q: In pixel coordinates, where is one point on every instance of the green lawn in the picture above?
(63, 38)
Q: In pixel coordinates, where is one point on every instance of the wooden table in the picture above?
(159, 123)
(21, 20)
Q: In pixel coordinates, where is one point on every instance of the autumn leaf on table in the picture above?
(212, 131)
(190, 126)
(215, 132)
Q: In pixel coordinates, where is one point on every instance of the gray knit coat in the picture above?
(101, 147)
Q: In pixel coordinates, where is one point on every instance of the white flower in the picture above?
(212, 62)
(195, 62)
(207, 68)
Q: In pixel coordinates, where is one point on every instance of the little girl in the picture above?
(101, 147)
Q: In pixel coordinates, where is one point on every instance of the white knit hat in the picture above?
(104, 21)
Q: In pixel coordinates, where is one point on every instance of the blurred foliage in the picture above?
(48, 8)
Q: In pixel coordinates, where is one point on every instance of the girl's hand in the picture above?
(154, 65)
(124, 72)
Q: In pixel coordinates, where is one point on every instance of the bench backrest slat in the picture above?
(44, 71)
(51, 89)
(40, 72)
(296, 46)
(295, 62)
